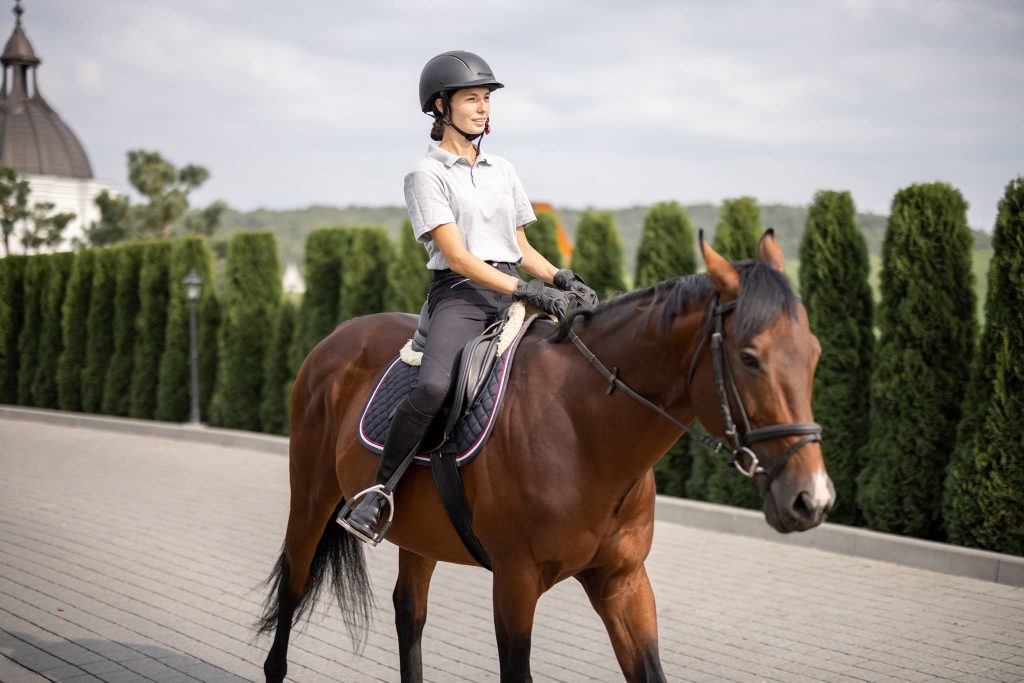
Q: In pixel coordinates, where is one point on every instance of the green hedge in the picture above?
(364, 276)
(739, 228)
(277, 374)
(252, 296)
(70, 374)
(984, 501)
(174, 392)
(835, 290)
(12, 318)
(51, 336)
(667, 247)
(150, 328)
(37, 270)
(927, 324)
(118, 379)
(408, 277)
(99, 327)
(320, 312)
(598, 254)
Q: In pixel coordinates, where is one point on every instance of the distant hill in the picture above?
(293, 225)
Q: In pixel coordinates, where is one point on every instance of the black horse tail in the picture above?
(338, 554)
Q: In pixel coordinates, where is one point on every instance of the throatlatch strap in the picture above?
(453, 497)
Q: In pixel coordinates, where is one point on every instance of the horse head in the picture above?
(753, 385)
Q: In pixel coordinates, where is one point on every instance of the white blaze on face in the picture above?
(821, 492)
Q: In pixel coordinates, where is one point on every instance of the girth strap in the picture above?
(453, 497)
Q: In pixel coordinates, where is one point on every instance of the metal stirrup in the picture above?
(342, 518)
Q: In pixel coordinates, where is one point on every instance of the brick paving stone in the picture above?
(136, 558)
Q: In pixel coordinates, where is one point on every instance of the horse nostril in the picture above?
(802, 507)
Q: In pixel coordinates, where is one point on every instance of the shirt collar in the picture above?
(449, 159)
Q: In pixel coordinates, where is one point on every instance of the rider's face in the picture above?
(470, 108)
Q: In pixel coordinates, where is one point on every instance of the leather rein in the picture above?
(740, 440)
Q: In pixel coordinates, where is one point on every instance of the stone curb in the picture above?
(912, 552)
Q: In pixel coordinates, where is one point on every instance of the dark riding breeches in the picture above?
(459, 310)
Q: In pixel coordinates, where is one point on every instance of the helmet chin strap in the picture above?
(447, 118)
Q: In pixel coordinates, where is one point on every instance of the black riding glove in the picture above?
(568, 281)
(547, 299)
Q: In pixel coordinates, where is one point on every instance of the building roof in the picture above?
(33, 138)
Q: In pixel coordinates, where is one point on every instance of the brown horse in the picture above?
(564, 487)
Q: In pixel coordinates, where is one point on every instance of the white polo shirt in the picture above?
(485, 200)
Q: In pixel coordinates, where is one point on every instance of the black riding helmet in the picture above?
(451, 71)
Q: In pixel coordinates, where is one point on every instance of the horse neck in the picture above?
(625, 438)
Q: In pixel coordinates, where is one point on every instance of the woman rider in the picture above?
(470, 212)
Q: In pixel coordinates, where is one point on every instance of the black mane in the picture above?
(765, 293)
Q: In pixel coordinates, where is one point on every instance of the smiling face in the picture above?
(470, 108)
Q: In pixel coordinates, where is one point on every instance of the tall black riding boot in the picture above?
(405, 435)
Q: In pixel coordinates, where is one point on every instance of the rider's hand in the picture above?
(568, 281)
(547, 299)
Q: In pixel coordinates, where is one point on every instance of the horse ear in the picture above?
(769, 252)
(723, 276)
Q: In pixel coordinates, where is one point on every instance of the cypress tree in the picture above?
(37, 271)
(543, 236)
(150, 328)
(320, 311)
(51, 337)
(209, 334)
(12, 317)
(666, 245)
(118, 380)
(736, 236)
(99, 327)
(174, 393)
(408, 277)
(252, 296)
(277, 372)
(835, 291)
(598, 255)
(667, 250)
(984, 497)
(739, 229)
(364, 273)
(927, 323)
(75, 315)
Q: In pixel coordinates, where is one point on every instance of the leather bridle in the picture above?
(741, 440)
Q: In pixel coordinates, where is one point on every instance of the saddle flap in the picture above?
(476, 360)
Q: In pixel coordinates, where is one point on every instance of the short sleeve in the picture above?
(523, 208)
(427, 204)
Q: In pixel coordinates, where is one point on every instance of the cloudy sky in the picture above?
(606, 104)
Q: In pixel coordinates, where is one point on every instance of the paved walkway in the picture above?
(134, 558)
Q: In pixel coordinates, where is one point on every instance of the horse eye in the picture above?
(749, 360)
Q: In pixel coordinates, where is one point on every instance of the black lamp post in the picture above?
(193, 286)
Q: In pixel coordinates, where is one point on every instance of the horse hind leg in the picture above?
(624, 600)
(410, 597)
(314, 548)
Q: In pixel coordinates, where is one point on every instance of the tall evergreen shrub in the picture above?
(739, 228)
(835, 291)
(209, 349)
(408, 277)
(984, 489)
(927, 323)
(51, 336)
(252, 296)
(598, 255)
(118, 382)
(74, 319)
(12, 317)
(174, 398)
(37, 272)
(320, 311)
(150, 328)
(99, 327)
(364, 278)
(543, 236)
(736, 236)
(667, 247)
(277, 372)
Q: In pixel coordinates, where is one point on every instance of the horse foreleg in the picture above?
(624, 600)
(515, 602)
(292, 576)
(410, 598)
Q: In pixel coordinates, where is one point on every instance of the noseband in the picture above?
(740, 440)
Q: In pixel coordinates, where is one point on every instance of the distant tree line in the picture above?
(923, 425)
